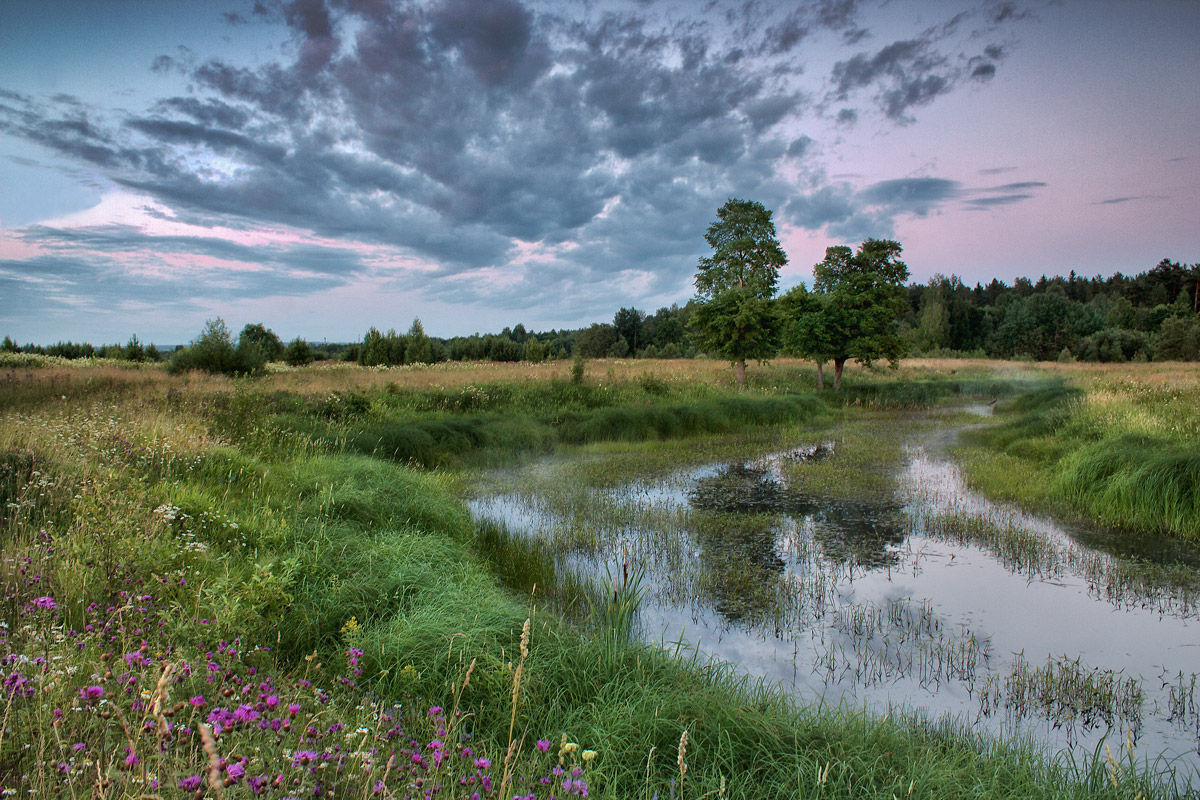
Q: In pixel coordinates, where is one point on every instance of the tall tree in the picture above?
(862, 300)
(418, 347)
(734, 315)
(629, 323)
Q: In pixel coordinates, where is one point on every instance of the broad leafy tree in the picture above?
(734, 315)
(266, 340)
(860, 301)
(807, 329)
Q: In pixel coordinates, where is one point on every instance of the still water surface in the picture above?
(1066, 635)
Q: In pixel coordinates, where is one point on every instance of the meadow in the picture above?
(272, 587)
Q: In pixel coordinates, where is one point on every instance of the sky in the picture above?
(322, 166)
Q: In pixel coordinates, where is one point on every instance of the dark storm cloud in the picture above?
(452, 128)
(910, 73)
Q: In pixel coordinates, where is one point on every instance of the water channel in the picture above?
(901, 590)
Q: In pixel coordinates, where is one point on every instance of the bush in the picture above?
(298, 353)
(213, 351)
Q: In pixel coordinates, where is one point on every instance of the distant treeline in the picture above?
(1154, 315)
(1150, 316)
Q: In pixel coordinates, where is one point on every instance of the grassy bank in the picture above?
(236, 589)
(1119, 445)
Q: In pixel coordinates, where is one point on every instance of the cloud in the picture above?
(1011, 187)
(456, 131)
(1003, 195)
(852, 215)
(997, 200)
(910, 195)
(1118, 200)
(907, 74)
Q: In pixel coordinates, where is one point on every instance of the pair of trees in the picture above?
(852, 311)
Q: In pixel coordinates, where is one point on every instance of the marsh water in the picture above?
(854, 566)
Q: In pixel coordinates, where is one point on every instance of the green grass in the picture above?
(239, 529)
(1093, 453)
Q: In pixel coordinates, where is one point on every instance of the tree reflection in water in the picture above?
(739, 527)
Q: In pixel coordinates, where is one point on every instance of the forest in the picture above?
(1150, 316)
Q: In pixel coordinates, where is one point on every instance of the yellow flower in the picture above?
(588, 755)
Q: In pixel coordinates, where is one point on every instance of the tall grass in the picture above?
(1122, 451)
(180, 567)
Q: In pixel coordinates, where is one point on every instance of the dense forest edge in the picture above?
(268, 586)
(1150, 316)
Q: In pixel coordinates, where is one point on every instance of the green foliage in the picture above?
(855, 307)
(133, 350)
(1040, 326)
(734, 316)
(298, 353)
(806, 325)
(534, 352)
(596, 341)
(738, 325)
(1114, 345)
(213, 351)
(504, 348)
(630, 325)
(265, 339)
(746, 254)
(418, 347)
(1178, 340)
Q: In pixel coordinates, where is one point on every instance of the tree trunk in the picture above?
(838, 363)
(741, 373)
(820, 376)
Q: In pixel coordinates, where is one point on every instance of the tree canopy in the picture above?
(734, 315)
(855, 308)
(746, 254)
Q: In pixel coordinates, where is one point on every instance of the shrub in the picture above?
(213, 351)
(298, 353)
